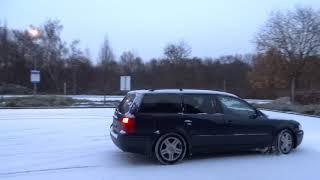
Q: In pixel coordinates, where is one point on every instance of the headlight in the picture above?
(300, 127)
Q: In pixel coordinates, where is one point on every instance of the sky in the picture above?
(212, 28)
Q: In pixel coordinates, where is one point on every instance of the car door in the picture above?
(164, 111)
(245, 126)
(203, 121)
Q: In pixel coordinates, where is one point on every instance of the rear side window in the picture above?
(161, 103)
(125, 104)
(195, 104)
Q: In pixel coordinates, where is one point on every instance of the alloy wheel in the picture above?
(170, 148)
(285, 142)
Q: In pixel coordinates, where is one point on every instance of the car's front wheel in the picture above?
(170, 148)
(285, 142)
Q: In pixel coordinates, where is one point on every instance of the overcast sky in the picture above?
(211, 27)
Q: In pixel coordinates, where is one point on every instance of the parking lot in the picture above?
(75, 144)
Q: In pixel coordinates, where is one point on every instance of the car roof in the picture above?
(181, 91)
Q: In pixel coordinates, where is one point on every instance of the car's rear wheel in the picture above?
(285, 142)
(170, 148)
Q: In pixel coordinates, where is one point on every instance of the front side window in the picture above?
(235, 105)
(196, 104)
(161, 103)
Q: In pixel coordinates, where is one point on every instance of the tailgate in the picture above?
(123, 108)
(116, 124)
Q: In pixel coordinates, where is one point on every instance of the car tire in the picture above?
(284, 142)
(170, 148)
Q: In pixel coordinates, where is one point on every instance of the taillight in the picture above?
(128, 124)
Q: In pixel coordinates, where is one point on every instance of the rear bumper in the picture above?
(131, 143)
(299, 135)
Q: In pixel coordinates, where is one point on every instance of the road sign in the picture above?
(125, 83)
(35, 76)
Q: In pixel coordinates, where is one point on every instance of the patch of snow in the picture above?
(283, 100)
(259, 101)
(97, 98)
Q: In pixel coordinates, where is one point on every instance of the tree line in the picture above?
(287, 58)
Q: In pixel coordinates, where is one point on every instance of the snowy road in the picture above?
(69, 144)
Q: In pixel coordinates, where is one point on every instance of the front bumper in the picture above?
(131, 143)
(299, 136)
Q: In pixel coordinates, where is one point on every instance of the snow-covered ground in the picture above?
(74, 144)
(96, 98)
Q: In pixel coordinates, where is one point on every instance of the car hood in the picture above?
(292, 122)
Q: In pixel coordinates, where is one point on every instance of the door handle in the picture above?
(188, 122)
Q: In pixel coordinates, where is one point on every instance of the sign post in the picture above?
(125, 83)
(35, 79)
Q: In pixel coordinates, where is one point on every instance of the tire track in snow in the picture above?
(46, 170)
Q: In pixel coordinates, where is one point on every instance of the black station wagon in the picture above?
(173, 123)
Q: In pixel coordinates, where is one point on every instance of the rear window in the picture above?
(125, 104)
(161, 103)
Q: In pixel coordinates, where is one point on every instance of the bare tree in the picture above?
(130, 62)
(127, 57)
(296, 35)
(54, 51)
(268, 72)
(74, 63)
(108, 65)
(106, 53)
(177, 51)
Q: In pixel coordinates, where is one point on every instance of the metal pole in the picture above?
(65, 88)
(34, 88)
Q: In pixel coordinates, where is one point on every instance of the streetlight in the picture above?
(35, 74)
(34, 32)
